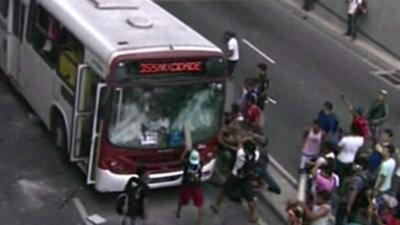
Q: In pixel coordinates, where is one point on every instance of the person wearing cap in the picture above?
(378, 113)
(359, 121)
(191, 185)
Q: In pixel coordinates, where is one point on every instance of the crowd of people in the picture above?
(352, 174)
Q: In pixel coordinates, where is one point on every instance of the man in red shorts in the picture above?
(191, 185)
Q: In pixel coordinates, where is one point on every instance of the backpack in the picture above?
(362, 8)
(249, 169)
(361, 200)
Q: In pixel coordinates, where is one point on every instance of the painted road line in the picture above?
(81, 210)
(271, 100)
(258, 51)
(382, 72)
(289, 177)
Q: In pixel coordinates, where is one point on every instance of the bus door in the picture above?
(85, 126)
(16, 39)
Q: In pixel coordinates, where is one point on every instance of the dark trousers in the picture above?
(308, 5)
(340, 215)
(352, 25)
(272, 185)
(231, 67)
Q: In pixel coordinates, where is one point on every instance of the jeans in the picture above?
(272, 185)
(352, 25)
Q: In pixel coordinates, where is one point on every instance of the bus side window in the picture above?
(45, 34)
(4, 8)
(70, 56)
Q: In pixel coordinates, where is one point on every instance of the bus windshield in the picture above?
(153, 116)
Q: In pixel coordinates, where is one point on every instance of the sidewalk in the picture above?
(334, 27)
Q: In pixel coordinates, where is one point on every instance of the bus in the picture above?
(115, 82)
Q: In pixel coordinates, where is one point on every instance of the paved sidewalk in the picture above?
(334, 27)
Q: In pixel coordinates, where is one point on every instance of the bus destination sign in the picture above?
(171, 67)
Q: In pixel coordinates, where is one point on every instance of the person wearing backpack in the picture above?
(359, 121)
(136, 201)
(241, 179)
(191, 185)
(360, 192)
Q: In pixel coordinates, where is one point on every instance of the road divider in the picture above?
(258, 51)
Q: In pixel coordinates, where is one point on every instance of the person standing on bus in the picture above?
(136, 203)
(191, 185)
(233, 51)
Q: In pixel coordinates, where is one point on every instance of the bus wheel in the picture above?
(59, 134)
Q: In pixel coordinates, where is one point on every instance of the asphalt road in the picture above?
(311, 67)
(40, 187)
(37, 181)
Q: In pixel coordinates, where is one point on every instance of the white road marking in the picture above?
(81, 210)
(258, 51)
(283, 171)
(382, 72)
(271, 100)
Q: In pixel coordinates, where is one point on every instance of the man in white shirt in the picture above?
(349, 146)
(352, 18)
(233, 51)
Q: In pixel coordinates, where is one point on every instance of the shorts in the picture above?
(192, 192)
(305, 159)
(343, 169)
(243, 186)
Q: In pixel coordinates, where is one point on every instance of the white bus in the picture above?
(114, 81)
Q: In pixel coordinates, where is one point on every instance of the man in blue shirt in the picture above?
(328, 121)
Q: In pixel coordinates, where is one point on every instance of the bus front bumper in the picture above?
(106, 181)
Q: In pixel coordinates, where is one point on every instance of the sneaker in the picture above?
(275, 190)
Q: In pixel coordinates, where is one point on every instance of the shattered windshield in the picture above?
(153, 117)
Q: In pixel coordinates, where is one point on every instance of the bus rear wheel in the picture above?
(59, 134)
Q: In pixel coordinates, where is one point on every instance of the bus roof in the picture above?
(106, 27)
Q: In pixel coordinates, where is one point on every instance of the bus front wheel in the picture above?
(59, 134)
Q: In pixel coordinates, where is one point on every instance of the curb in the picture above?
(364, 46)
